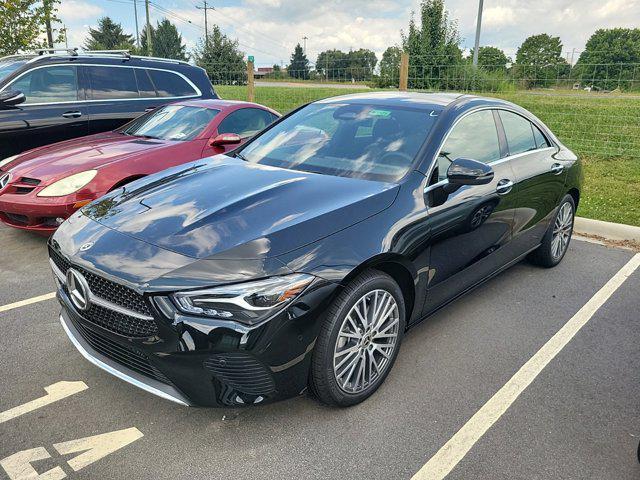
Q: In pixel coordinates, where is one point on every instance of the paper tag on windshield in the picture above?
(380, 113)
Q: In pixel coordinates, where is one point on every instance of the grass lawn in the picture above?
(604, 131)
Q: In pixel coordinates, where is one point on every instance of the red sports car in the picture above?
(40, 188)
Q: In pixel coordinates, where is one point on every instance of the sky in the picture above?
(269, 29)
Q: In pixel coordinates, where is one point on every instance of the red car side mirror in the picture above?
(225, 139)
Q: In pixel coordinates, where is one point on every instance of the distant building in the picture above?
(262, 72)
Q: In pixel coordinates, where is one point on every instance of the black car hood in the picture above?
(225, 208)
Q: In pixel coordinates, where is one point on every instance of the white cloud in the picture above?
(73, 10)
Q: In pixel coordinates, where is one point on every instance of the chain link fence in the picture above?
(593, 109)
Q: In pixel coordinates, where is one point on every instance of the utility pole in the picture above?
(66, 37)
(149, 39)
(206, 22)
(135, 13)
(478, 25)
(304, 40)
(47, 22)
(573, 52)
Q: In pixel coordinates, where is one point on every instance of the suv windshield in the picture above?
(372, 142)
(172, 122)
(7, 67)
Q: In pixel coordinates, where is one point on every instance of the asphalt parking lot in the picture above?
(578, 418)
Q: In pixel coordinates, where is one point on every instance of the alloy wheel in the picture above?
(366, 341)
(562, 229)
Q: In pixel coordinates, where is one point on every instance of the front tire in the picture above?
(555, 242)
(359, 340)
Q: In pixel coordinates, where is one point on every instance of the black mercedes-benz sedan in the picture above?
(301, 259)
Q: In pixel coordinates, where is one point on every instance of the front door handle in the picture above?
(504, 186)
(72, 114)
(557, 168)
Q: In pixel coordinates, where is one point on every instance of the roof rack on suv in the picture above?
(77, 52)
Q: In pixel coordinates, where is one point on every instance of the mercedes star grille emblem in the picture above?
(78, 289)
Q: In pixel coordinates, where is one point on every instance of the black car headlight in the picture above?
(249, 302)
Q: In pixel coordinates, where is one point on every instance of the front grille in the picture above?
(115, 293)
(103, 288)
(126, 356)
(17, 219)
(241, 372)
(120, 323)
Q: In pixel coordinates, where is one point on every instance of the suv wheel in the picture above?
(359, 340)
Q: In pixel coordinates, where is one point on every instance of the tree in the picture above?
(144, 48)
(610, 58)
(361, 62)
(22, 25)
(332, 64)
(539, 61)
(491, 59)
(299, 64)
(433, 46)
(390, 67)
(221, 58)
(108, 36)
(167, 42)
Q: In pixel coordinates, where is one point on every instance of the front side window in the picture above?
(372, 142)
(48, 85)
(168, 84)
(172, 122)
(519, 132)
(245, 122)
(474, 137)
(111, 83)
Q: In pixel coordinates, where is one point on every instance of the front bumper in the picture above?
(39, 214)
(195, 361)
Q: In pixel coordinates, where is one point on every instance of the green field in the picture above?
(604, 131)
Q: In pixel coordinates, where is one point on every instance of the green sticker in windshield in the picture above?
(380, 113)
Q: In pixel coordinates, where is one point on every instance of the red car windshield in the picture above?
(171, 122)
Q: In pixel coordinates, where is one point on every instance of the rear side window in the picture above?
(49, 85)
(541, 140)
(474, 137)
(145, 87)
(169, 84)
(519, 132)
(245, 122)
(110, 83)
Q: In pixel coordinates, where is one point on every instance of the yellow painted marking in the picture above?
(452, 452)
(18, 466)
(97, 447)
(28, 301)
(55, 392)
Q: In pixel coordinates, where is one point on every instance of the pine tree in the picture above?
(299, 65)
(167, 42)
(221, 58)
(108, 36)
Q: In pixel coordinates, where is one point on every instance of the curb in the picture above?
(607, 230)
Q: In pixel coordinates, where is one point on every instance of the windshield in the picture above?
(7, 67)
(372, 142)
(171, 122)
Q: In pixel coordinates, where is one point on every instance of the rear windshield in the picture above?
(8, 67)
(373, 142)
(172, 122)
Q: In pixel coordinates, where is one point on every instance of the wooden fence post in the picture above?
(250, 82)
(404, 71)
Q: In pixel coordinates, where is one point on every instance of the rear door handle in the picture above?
(72, 114)
(557, 168)
(504, 186)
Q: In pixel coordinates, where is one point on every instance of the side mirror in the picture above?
(225, 139)
(465, 171)
(10, 98)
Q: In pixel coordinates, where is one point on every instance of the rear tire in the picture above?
(555, 242)
(359, 340)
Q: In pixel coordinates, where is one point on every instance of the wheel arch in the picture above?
(398, 268)
(575, 194)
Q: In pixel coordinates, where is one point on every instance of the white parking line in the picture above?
(452, 452)
(55, 392)
(28, 301)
